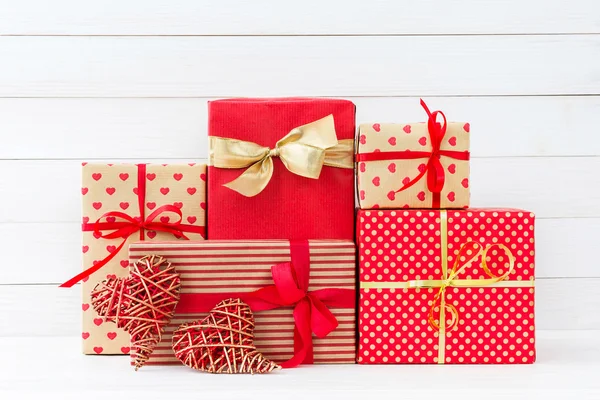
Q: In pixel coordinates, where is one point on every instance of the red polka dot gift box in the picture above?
(446, 286)
(125, 203)
(414, 165)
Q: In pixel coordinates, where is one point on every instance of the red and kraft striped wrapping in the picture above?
(245, 266)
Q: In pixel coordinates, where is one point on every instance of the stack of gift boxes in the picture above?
(434, 280)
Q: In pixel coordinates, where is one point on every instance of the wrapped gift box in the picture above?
(244, 136)
(212, 271)
(452, 286)
(111, 196)
(414, 165)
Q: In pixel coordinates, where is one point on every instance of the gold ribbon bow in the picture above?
(461, 263)
(467, 255)
(304, 151)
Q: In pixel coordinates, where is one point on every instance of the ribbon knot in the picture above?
(311, 312)
(289, 289)
(303, 151)
(468, 253)
(274, 152)
(436, 176)
(128, 225)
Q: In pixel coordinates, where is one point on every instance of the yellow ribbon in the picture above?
(304, 151)
(468, 253)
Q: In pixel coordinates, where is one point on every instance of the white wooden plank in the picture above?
(150, 128)
(273, 17)
(564, 248)
(319, 66)
(548, 186)
(567, 247)
(567, 367)
(49, 191)
(103, 128)
(23, 244)
(46, 310)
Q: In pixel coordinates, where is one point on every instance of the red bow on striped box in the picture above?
(302, 293)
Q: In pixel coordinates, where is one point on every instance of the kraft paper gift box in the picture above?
(454, 287)
(278, 168)
(169, 199)
(414, 165)
(212, 271)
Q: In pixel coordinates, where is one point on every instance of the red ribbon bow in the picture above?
(290, 288)
(436, 175)
(130, 225)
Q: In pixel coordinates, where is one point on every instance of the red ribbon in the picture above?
(290, 288)
(130, 225)
(436, 175)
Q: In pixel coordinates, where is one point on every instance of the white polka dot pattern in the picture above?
(496, 324)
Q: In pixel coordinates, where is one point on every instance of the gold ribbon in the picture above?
(304, 151)
(468, 253)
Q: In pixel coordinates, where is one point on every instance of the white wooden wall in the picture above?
(129, 79)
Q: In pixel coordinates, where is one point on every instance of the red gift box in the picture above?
(291, 205)
(453, 287)
(302, 294)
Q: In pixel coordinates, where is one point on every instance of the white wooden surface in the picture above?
(308, 17)
(176, 127)
(194, 66)
(129, 80)
(567, 368)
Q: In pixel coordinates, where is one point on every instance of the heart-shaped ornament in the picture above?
(222, 343)
(142, 303)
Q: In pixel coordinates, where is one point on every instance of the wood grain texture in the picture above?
(49, 190)
(176, 128)
(565, 248)
(309, 17)
(286, 65)
(46, 310)
(77, 77)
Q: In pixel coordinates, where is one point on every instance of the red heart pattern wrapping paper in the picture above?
(379, 181)
(495, 323)
(114, 187)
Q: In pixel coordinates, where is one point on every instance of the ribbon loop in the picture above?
(303, 151)
(284, 277)
(322, 320)
(469, 253)
(434, 170)
(311, 308)
(129, 225)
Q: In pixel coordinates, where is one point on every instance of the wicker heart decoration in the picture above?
(222, 342)
(142, 303)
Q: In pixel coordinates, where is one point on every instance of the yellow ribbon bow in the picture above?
(304, 151)
(468, 253)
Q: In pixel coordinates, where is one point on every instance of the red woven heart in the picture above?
(142, 303)
(222, 343)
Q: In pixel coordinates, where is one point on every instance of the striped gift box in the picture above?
(245, 266)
